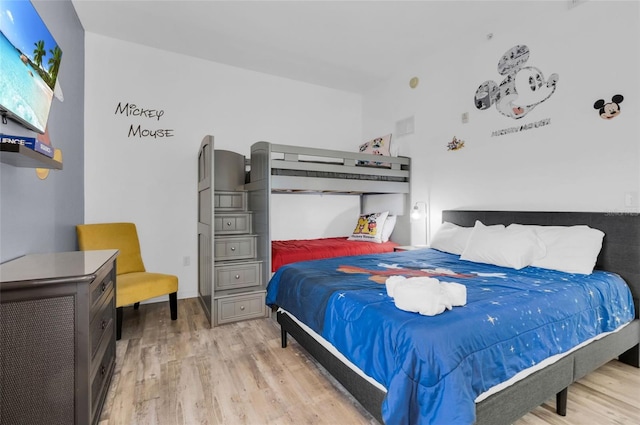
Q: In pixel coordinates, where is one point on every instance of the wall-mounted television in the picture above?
(30, 60)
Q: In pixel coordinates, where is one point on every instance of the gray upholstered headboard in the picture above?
(620, 248)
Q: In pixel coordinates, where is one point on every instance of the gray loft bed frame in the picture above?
(620, 254)
(288, 169)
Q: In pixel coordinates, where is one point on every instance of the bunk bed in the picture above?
(280, 169)
(620, 255)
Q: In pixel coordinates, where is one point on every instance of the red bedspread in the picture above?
(291, 251)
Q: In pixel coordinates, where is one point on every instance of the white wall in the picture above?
(153, 182)
(578, 162)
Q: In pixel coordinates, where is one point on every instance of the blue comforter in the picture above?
(434, 367)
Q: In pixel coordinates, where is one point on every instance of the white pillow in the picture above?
(451, 238)
(571, 249)
(388, 226)
(369, 227)
(514, 247)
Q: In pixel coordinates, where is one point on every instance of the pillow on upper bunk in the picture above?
(369, 227)
(570, 249)
(451, 238)
(514, 247)
(378, 146)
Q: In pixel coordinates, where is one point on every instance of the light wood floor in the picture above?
(184, 373)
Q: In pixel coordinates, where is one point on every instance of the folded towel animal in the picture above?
(425, 295)
(457, 293)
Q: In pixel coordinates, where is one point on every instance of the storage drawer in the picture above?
(99, 289)
(230, 201)
(102, 323)
(101, 378)
(241, 307)
(232, 223)
(235, 247)
(232, 275)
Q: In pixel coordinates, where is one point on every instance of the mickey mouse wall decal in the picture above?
(611, 109)
(523, 88)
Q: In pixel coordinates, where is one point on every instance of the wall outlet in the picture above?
(186, 261)
(631, 199)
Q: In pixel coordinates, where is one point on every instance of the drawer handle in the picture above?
(228, 223)
(103, 370)
(242, 307)
(103, 325)
(233, 248)
(237, 276)
(104, 286)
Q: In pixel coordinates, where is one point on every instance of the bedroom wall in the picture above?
(40, 215)
(577, 161)
(152, 181)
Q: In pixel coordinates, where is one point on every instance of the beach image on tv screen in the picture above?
(29, 66)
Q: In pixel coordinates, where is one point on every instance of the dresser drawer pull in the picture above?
(233, 248)
(242, 307)
(103, 325)
(103, 370)
(104, 286)
(237, 276)
(228, 223)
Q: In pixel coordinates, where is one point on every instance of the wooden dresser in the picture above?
(57, 337)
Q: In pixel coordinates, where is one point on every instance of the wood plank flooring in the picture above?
(184, 373)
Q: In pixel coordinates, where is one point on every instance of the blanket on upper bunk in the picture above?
(434, 367)
(291, 251)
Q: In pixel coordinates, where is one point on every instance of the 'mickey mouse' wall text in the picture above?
(133, 110)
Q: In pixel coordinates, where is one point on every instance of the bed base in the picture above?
(369, 396)
(503, 407)
(620, 254)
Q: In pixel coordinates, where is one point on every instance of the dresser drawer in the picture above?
(102, 323)
(99, 290)
(232, 223)
(232, 275)
(235, 247)
(230, 201)
(240, 307)
(101, 378)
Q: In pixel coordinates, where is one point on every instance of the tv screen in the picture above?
(30, 60)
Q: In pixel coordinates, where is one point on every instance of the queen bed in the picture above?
(523, 336)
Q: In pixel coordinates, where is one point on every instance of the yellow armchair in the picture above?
(133, 282)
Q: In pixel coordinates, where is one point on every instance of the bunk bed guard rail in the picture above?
(297, 169)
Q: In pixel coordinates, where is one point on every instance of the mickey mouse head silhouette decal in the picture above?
(522, 89)
(611, 109)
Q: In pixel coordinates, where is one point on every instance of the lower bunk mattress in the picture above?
(435, 367)
(291, 251)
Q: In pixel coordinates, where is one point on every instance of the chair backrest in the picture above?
(121, 236)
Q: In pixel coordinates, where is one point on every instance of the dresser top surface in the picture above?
(55, 266)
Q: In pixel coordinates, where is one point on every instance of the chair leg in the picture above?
(136, 306)
(173, 305)
(119, 312)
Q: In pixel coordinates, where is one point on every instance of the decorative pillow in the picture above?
(369, 227)
(388, 227)
(514, 247)
(451, 238)
(378, 146)
(570, 249)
